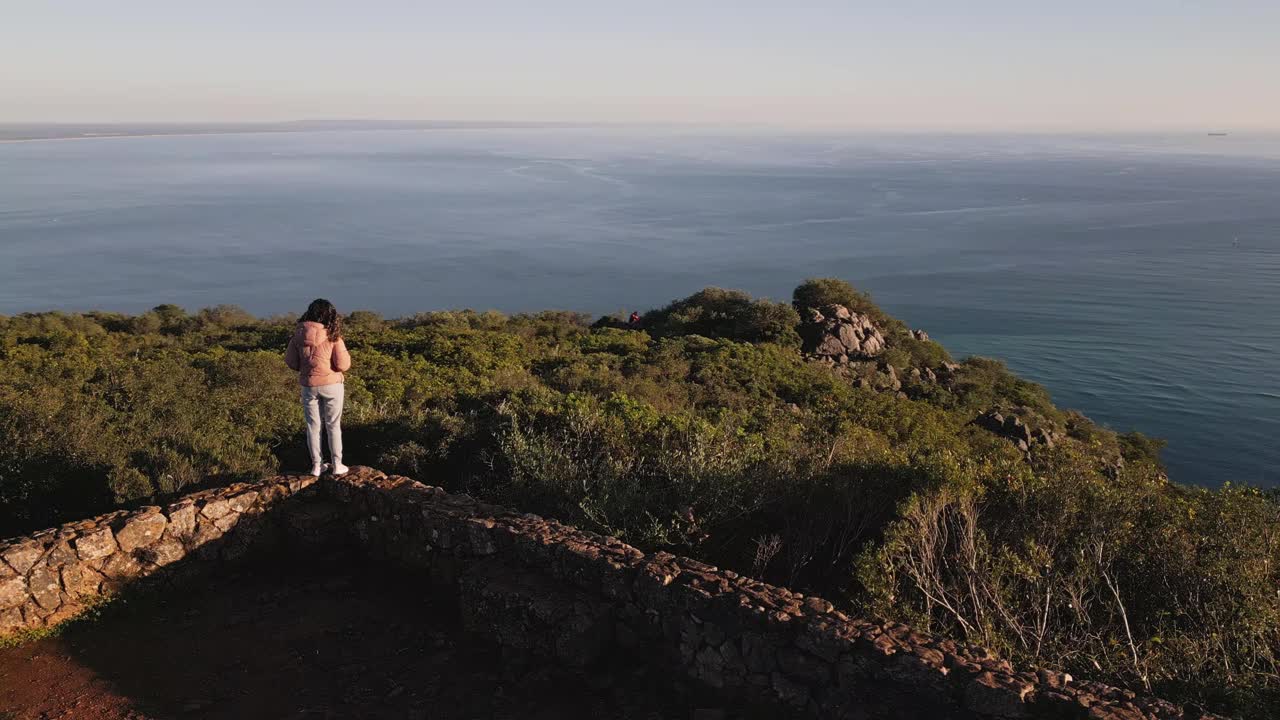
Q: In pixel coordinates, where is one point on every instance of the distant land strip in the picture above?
(27, 132)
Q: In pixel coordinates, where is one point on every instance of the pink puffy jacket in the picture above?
(318, 360)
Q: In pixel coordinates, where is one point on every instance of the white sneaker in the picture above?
(339, 468)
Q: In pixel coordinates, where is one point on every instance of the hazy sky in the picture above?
(976, 64)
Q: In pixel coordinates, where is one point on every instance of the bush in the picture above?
(1120, 579)
(223, 316)
(817, 292)
(729, 314)
(1136, 447)
(983, 383)
(362, 322)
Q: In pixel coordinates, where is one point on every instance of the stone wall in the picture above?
(576, 596)
(52, 575)
(538, 586)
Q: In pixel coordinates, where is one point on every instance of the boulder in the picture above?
(830, 346)
(1045, 437)
(991, 420)
(1016, 430)
(837, 334)
(849, 337)
(873, 345)
(890, 380)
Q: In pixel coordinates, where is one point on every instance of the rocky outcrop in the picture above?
(836, 334)
(854, 346)
(883, 378)
(573, 597)
(1016, 430)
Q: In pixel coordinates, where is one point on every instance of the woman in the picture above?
(318, 353)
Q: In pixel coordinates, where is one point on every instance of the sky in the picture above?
(908, 64)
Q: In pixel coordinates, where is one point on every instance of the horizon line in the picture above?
(320, 124)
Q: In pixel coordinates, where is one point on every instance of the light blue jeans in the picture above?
(323, 405)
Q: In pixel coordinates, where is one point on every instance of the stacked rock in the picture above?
(840, 336)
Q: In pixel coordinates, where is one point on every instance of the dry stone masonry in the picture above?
(52, 575)
(542, 587)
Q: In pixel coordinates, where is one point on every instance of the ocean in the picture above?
(1136, 277)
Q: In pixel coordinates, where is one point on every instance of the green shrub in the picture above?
(817, 292)
(223, 316)
(729, 314)
(363, 322)
(1136, 447)
(984, 383)
(820, 292)
(923, 353)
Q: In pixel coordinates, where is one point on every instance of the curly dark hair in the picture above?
(322, 311)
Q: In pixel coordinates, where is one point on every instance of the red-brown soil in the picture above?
(316, 641)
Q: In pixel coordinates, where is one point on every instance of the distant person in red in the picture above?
(318, 353)
(634, 320)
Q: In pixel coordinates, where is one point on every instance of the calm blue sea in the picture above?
(1138, 277)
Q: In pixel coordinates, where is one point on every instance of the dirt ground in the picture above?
(307, 644)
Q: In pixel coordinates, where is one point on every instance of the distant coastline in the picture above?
(41, 132)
